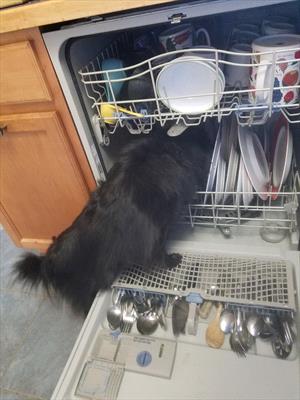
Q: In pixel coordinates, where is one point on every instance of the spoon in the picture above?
(180, 312)
(114, 313)
(246, 339)
(240, 339)
(149, 319)
(266, 332)
(214, 336)
(255, 325)
(272, 321)
(147, 322)
(227, 321)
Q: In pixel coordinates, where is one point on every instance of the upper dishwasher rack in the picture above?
(97, 83)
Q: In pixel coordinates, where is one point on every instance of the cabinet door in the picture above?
(41, 188)
(21, 77)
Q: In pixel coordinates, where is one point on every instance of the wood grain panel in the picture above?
(58, 102)
(47, 12)
(41, 190)
(21, 78)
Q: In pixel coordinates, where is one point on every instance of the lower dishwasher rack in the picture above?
(260, 282)
(267, 216)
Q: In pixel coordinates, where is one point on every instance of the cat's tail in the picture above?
(30, 270)
(65, 271)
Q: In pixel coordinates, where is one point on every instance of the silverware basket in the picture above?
(250, 281)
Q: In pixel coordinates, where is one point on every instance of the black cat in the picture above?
(126, 220)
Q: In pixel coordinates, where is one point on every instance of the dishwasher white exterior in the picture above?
(187, 368)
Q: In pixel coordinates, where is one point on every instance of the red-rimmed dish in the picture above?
(282, 155)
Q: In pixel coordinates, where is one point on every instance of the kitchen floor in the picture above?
(36, 337)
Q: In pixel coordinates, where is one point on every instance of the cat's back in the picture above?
(155, 165)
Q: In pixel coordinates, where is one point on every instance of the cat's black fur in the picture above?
(125, 221)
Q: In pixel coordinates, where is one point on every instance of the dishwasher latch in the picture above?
(176, 18)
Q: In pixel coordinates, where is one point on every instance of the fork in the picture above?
(239, 339)
(129, 316)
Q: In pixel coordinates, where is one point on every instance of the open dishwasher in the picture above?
(204, 334)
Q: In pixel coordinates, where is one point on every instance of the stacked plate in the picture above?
(239, 164)
(225, 163)
(255, 162)
(191, 84)
(282, 154)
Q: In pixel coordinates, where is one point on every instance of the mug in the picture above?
(246, 37)
(286, 52)
(247, 27)
(202, 32)
(274, 19)
(177, 38)
(276, 28)
(238, 75)
(140, 87)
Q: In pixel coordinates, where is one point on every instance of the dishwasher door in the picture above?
(194, 371)
(197, 371)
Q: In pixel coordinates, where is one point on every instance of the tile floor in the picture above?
(36, 337)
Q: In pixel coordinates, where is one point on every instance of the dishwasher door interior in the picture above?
(161, 366)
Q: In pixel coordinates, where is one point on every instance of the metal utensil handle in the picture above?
(239, 320)
(116, 296)
(288, 334)
(205, 309)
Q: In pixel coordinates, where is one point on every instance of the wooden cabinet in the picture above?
(45, 178)
(21, 78)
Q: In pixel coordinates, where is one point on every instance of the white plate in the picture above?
(288, 158)
(232, 156)
(231, 171)
(239, 187)
(210, 57)
(213, 166)
(189, 77)
(220, 182)
(247, 187)
(255, 161)
(225, 146)
(282, 155)
(229, 136)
